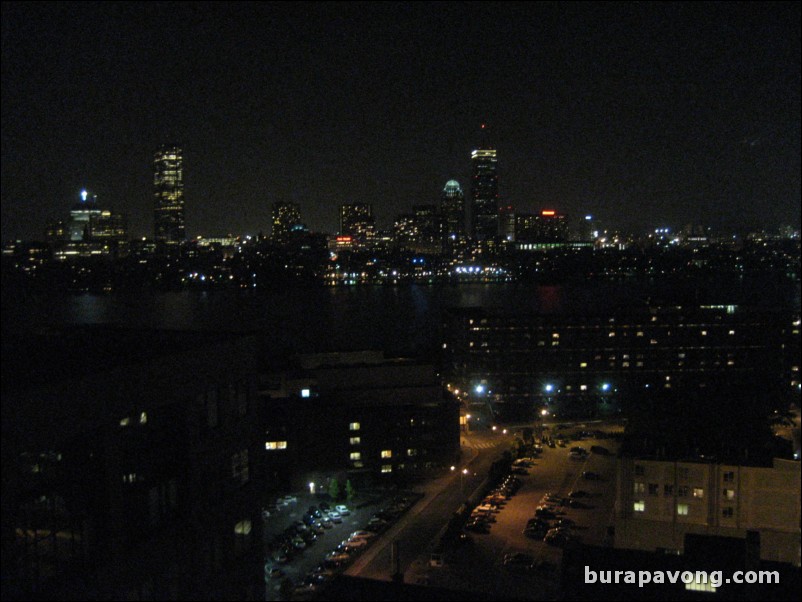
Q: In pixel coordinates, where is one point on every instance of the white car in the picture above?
(342, 510)
(335, 517)
(352, 545)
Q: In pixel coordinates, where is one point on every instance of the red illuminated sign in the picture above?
(548, 212)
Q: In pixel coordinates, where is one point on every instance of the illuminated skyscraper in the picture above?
(168, 186)
(484, 189)
(285, 217)
(356, 220)
(452, 208)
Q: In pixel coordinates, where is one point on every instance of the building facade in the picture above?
(452, 208)
(286, 216)
(534, 359)
(131, 467)
(546, 227)
(168, 190)
(356, 219)
(484, 194)
(659, 502)
(356, 414)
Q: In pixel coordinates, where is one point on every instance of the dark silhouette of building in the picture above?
(131, 464)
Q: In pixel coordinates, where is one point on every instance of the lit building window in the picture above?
(356, 456)
(354, 426)
(704, 333)
(358, 464)
(698, 492)
(387, 453)
(583, 387)
(611, 334)
(729, 494)
(555, 335)
(583, 365)
(387, 468)
(700, 584)
(355, 440)
(653, 342)
(273, 445)
(682, 509)
(639, 488)
(143, 418)
(125, 421)
(639, 333)
(639, 506)
(305, 392)
(243, 527)
(731, 332)
(412, 452)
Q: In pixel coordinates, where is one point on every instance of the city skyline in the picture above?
(638, 114)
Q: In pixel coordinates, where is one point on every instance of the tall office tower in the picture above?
(356, 219)
(452, 208)
(168, 186)
(285, 217)
(484, 208)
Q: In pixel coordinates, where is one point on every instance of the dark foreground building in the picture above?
(130, 466)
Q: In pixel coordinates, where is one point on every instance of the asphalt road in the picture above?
(416, 532)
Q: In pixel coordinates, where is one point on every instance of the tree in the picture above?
(334, 489)
(350, 492)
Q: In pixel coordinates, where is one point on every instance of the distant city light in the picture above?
(479, 389)
(605, 387)
(588, 217)
(84, 194)
(305, 392)
(549, 388)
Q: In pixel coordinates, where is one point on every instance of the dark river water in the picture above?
(397, 319)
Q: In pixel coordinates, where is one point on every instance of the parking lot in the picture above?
(288, 569)
(480, 564)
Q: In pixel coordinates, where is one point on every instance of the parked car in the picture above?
(335, 517)
(364, 534)
(517, 562)
(478, 526)
(544, 512)
(342, 509)
(558, 537)
(273, 572)
(574, 503)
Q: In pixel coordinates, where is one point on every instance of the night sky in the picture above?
(643, 114)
